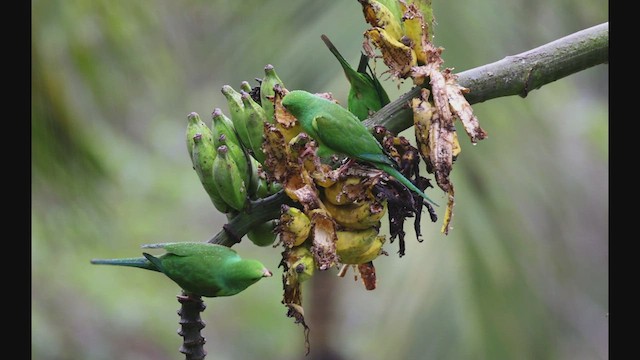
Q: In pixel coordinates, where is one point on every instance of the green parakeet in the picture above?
(339, 131)
(366, 95)
(199, 268)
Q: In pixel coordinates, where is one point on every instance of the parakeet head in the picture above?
(242, 274)
(296, 101)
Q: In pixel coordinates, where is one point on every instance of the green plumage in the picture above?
(199, 268)
(339, 131)
(366, 95)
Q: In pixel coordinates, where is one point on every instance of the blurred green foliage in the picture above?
(523, 274)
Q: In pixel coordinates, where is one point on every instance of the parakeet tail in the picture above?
(396, 174)
(140, 262)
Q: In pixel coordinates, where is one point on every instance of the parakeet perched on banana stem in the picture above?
(199, 268)
(339, 131)
(366, 95)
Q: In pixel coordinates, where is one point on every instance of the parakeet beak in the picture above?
(266, 273)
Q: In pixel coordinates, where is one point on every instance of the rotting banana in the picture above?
(357, 216)
(263, 234)
(415, 31)
(394, 7)
(267, 92)
(359, 246)
(380, 16)
(255, 118)
(337, 193)
(203, 157)
(323, 239)
(228, 180)
(294, 227)
(398, 57)
(425, 8)
(301, 263)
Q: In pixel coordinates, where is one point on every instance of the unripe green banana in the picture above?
(357, 216)
(228, 179)
(359, 246)
(263, 234)
(255, 118)
(294, 227)
(236, 111)
(224, 134)
(246, 87)
(256, 188)
(195, 125)
(266, 91)
(203, 157)
(301, 263)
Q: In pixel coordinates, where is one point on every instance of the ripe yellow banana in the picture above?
(294, 227)
(357, 216)
(359, 246)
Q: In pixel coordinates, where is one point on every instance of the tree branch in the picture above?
(514, 75)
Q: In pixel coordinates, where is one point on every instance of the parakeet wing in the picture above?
(348, 136)
(191, 248)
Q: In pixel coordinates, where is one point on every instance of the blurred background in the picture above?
(522, 275)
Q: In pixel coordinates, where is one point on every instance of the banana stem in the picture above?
(258, 212)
